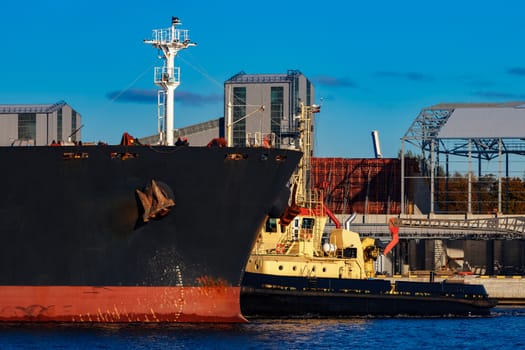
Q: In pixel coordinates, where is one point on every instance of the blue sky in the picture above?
(374, 64)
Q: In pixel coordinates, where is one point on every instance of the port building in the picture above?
(261, 108)
(38, 124)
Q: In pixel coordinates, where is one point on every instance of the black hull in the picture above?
(274, 296)
(77, 247)
(71, 216)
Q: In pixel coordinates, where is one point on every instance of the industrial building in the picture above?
(261, 108)
(38, 124)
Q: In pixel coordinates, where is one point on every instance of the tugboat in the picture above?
(296, 269)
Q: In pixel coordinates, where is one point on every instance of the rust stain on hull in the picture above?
(120, 304)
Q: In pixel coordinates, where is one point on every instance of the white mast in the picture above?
(304, 195)
(170, 41)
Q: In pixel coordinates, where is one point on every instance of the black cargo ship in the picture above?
(132, 233)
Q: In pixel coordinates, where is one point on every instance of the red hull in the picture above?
(119, 304)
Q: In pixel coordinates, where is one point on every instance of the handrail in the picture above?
(514, 224)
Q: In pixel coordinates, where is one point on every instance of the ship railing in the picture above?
(164, 75)
(168, 35)
(317, 241)
(23, 142)
(259, 139)
(508, 224)
(288, 242)
(510, 227)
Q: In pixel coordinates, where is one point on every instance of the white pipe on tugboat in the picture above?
(349, 220)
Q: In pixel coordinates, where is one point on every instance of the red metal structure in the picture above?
(365, 186)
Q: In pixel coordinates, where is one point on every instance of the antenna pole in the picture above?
(169, 41)
(304, 191)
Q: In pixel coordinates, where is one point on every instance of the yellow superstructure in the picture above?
(302, 249)
(299, 246)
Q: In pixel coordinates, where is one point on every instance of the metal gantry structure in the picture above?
(495, 228)
(481, 131)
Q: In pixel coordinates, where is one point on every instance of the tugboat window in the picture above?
(350, 253)
(295, 231)
(271, 225)
(308, 223)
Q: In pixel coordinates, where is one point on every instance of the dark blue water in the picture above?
(504, 329)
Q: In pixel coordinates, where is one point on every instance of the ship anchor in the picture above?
(155, 201)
